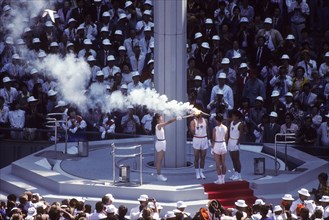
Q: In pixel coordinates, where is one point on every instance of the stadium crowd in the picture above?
(267, 58)
(32, 206)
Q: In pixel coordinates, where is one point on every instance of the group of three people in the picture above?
(223, 139)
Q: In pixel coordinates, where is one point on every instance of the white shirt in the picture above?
(147, 122)
(9, 95)
(220, 133)
(292, 129)
(323, 69)
(324, 133)
(145, 45)
(129, 44)
(308, 67)
(46, 86)
(200, 128)
(127, 78)
(108, 71)
(17, 118)
(137, 65)
(4, 114)
(135, 213)
(159, 133)
(82, 53)
(140, 25)
(132, 86)
(148, 84)
(130, 127)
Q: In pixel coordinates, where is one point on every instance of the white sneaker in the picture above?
(233, 176)
(162, 178)
(202, 175)
(218, 181)
(197, 174)
(223, 179)
(103, 135)
(237, 177)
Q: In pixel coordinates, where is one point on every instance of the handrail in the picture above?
(140, 154)
(276, 141)
(54, 123)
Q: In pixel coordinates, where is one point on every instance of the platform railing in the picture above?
(283, 138)
(53, 122)
(140, 154)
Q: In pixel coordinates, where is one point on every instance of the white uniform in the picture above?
(160, 142)
(200, 140)
(220, 144)
(234, 136)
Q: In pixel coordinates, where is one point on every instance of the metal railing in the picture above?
(53, 122)
(283, 138)
(140, 154)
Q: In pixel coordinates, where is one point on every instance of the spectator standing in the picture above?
(271, 129)
(253, 88)
(324, 131)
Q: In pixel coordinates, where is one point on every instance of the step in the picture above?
(226, 186)
(228, 193)
(229, 202)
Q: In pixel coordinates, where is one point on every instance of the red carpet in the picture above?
(230, 192)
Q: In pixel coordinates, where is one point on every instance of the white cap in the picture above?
(225, 61)
(170, 214)
(104, 29)
(6, 8)
(304, 192)
(49, 24)
(148, 2)
(285, 57)
(122, 48)
(215, 37)
(106, 42)
(128, 3)
(9, 40)
(150, 61)
(110, 58)
(220, 92)
(122, 16)
(241, 203)
(27, 29)
(69, 44)
(20, 41)
(327, 115)
(147, 12)
(197, 35)
(56, 16)
(81, 27)
(147, 28)
(31, 211)
(100, 73)
(110, 209)
(118, 32)
(268, 20)
(273, 114)
(244, 19)
(289, 94)
(236, 56)
(36, 40)
(91, 58)
(124, 86)
(290, 37)
(33, 71)
(277, 208)
(87, 41)
(205, 45)
(209, 21)
(42, 54)
(72, 20)
(221, 76)
(60, 103)
(275, 93)
(135, 73)
(243, 65)
(106, 14)
(324, 199)
(288, 197)
(181, 204)
(198, 78)
(54, 44)
(110, 197)
(32, 99)
(6, 79)
(143, 197)
(259, 202)
(326, 54)
(97, 0)
(15, 56)
(51, 93)
(259, 98)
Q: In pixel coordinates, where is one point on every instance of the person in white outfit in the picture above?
(218, 148)
(233, 144)
(324, 131)
(199, 130)
(303, 196)
(158, 125)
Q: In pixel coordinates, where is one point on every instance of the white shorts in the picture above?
(160, 146)
(200, 143)
(220, 148)
(232, 145)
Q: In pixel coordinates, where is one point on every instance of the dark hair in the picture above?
(323, 176)
(155, 122)
(219, 117)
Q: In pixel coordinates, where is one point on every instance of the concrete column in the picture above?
(170, 70)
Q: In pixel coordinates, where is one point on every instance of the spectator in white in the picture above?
(146, 21)
(4, 113)
(54, 48)
(146, 40)
(147, 122)
(34, 73)
(306, 98)
(221, 14)
(87, 49)
(108, 200)
(281, 82)
(288, 101)
(124, 89)
(268, 71)
(8, 92)
(52, 100)
(289, 126)
(137, 60)
(70, 30)
(33, 53)
(273, 38)
(285, 62)
(180, 207)
(131, 41)
(136, 212)
(14, 68)
(135, 84)
(104, 52)
(227, 91)
(110, 69)
(49, 84)
(218, 105)
(199, 92)
(307, 63)
(235, 51)
(17, 120)
(254, 87)
(93, 67)
(278, 213)
(126, 74)
(196, 46)
(271, 129)
(149, 83)
(21, 47)
(133, 13)
(230, 73)
(107, 127)
(99, 212)
(75, 125)
(303, 196)
(324, 67)
(130, 122)
(316, 117)
(64, 12)
(256, 113)
(247, 10)
(298, 12)
(324, 131)
(104, 24)
(115, 11)
(90, 28)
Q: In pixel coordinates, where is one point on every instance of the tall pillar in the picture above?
(170, 70)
